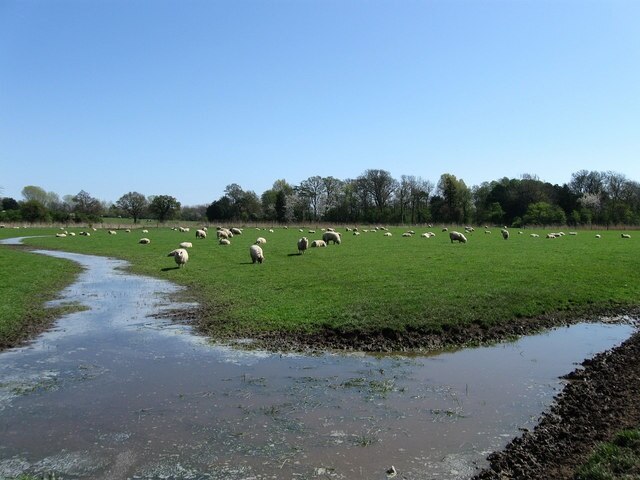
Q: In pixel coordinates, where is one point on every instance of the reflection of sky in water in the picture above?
(113, 393)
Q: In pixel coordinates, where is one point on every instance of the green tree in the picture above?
(134, 204)
(164, 207)
(34, 211)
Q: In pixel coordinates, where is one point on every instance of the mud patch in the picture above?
(600, 399)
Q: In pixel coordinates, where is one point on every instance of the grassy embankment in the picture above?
(615, 460)
(27, 281)
(372, 283)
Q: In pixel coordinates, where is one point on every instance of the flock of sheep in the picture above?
(329, 235)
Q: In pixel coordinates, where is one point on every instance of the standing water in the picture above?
(111, 392)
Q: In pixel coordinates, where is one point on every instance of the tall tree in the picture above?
(85, 204)
(134, 204)
(164, 207)
(379, 185)
(313, 190)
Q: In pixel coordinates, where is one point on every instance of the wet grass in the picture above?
(615, 460)
(27, 281)
(375, 284)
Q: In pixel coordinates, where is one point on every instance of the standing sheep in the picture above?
(457, 236)
(256, 254)
(505, 234)
(303, 244)
(331, 237)
(260, 240)
(625, 235)
(201, 234)
(144, 241)
(180, 255)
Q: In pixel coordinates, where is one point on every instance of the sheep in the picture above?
(303, 244)
(201, 234)
(271, 230)
(311, 231)
(427, 235)
(387, 234)
(625, 235)
(534, 235)
(236, 231)
(260, 240)
(128, 230)
(186, 245)
(85, 234)
(256, 254)
(145, 231)
(356, 233)
(112, 232)
(223, 234)
(552, 235)
(457, 236)
(61, 235)
(144, 241)
(505, 234)
(331, 237)
(180, 255)
(224, 241)
(573, 233)
(487, 231)
(445, 229)
(407, 234)
(184, 229)
(598, 235)
(318, 243)
(72, 234)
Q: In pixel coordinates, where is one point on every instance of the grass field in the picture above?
(372, 283)
(615, 460)
(26, 282)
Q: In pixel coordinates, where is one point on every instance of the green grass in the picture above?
(372, 283)
(27, 281)
(615, 460)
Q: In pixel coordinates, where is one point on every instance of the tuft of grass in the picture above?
(615, 460)
(372, 284)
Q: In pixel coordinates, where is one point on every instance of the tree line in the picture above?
(590, 197)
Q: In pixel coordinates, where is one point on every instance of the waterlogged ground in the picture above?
(113, 393)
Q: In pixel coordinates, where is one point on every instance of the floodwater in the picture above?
(113, 393)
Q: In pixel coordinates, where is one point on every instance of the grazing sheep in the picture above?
(186, 245)
(457, 236)
(311, 231)
(271, 230)
(573, 233)
(180, 255)
(505, 234)
(223, 234)
(260, 240)
(128, 230)
(144, 241)
(445, 229)
(331, 237)
(236, 231)
(201, 234)
(256, 254)
(356, 233)
(184, 229)
(318, 243)
(112, 232)
(407, 234)
(145, 231)
(427, 235)
(85, 234)
(61, 235)
(625, 235)
(552, 235)
(534, 235)
(303, 244)
(487, 231)
(598, 235)
(387, 234)
(224, 241)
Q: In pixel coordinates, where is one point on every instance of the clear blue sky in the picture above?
(185, 97)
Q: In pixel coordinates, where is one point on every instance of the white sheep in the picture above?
(186, 245)
(598, 235)
(552, 235)
(236, 231)
(201, 234)
(223, 234)
(625, 235)
(145, 231)
(260, 240)
(573, 233)
(534, 235)
(356, 233)
(487, 231)
(426, 235)
(303, 244)
(256, 254)
(407, 234)
(445, 229)
(61, 235)
(144, 241)
(180, 255)
(458, 237)
(331, 237)
(505, 234)
(387, 234)
(224, 241)
(112, 232)
(318, 243)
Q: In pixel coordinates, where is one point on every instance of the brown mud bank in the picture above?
(600, 399)
(208, 320)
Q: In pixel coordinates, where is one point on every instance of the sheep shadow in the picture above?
(294, 254)
(166, 269)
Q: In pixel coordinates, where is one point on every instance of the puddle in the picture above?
(113, 393)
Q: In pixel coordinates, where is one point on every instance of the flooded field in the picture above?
(111, 392)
